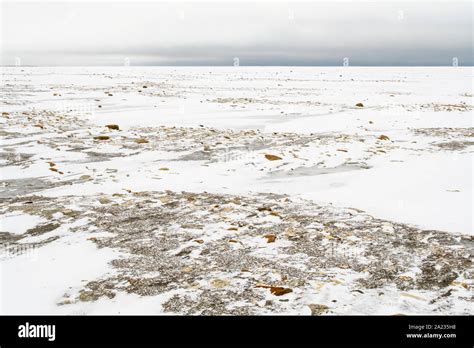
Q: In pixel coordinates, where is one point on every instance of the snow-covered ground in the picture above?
(391, 147)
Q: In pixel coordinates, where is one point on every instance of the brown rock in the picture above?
(102, 137)
(270, 238)
(279, 291)
(272, 157)
(112, 126)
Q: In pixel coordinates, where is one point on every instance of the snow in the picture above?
(342, 162)
(19, 223)
(35, 282)
(434, 192)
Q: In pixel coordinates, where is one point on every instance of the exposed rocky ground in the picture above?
(226, 254)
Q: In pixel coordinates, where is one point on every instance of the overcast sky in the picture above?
(257, 32)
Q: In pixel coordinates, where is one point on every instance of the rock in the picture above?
(112, 126)
(104, 200)
(69, 212)
(102, 137)
(280, 291)
(164, 199)
(463, 284)
(219, 283)
(85, 177)
(405, 278)
(318, 309)
(66, 302)
(86, 296)
(272, 157)
(275, 290)
(360, 105)
(270, 238)
(291, 233)
(141, 141)
(164, 168)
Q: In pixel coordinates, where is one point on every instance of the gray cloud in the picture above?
(259, 33)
